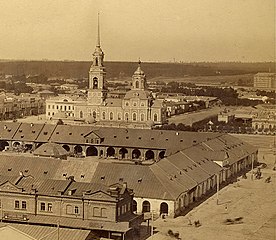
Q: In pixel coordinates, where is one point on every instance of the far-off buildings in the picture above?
(265, 80)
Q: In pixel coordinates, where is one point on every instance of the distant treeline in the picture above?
(120, 70)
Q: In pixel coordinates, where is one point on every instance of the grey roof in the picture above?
(50, 150)
(49, 233)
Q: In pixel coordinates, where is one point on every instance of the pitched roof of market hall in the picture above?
(171, 141)
(166, 179)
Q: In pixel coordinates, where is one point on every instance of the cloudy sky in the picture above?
(154, 30)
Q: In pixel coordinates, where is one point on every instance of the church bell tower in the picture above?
(97, 92)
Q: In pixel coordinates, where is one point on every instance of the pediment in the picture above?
(8, 186)
(92, 135)
(99, 195)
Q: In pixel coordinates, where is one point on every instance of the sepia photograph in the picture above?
(138, 120)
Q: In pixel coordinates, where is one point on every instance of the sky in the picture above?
(152, 30)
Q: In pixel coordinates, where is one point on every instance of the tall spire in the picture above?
(98, 36)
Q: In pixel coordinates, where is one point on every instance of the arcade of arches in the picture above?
(98, 150)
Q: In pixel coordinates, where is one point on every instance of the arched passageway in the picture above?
(134, 206)
(3, 145)
(164, 208)
(146, 206)
(66, 147)
(78, 149)
(136, 154)
(123, 152)
(161, 154)
(110, 152)
(28, 147)
(91, 151)
(149, 155)
(16, 144)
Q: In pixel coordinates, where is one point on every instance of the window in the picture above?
(81, 114)
(64, 108)
(134, 104)
(50, 207)
(57, 106)
(96, 212)
(42, 206)
(95, 83)
(16, 204)
(103, 212)
(53, 106)
(126, 116)
(60, 107)
(137, 84)
(142, 117)
(77, 211)
(127, 103)
(119, 116)
(155, 117)
(134, 118)
(111, 116)
(69, 107)
(68, 209)
(24, 205)
(94, 114)
(103, 115)
(49, 106)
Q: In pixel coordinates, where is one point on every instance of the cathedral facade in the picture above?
(138, 108)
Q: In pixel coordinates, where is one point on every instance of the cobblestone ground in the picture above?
(253, 200)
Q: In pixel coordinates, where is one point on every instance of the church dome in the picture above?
(139, 71)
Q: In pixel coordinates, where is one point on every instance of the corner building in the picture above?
(137, 109)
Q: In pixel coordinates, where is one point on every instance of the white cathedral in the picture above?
(137, 109)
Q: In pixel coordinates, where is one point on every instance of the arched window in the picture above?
(137, 84)
(126, 116)
(94, 114)
(119, 116)
(142, 117)
(81, 114)
(134, 117)
(256, 126)
(111, 116)
(164, 208)
(146, 206)
(103, 115)
(95, 83)
(155, 117)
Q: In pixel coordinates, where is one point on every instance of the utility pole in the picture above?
(58, 230)
(151, 223)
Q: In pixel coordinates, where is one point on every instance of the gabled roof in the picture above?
(53, 187)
